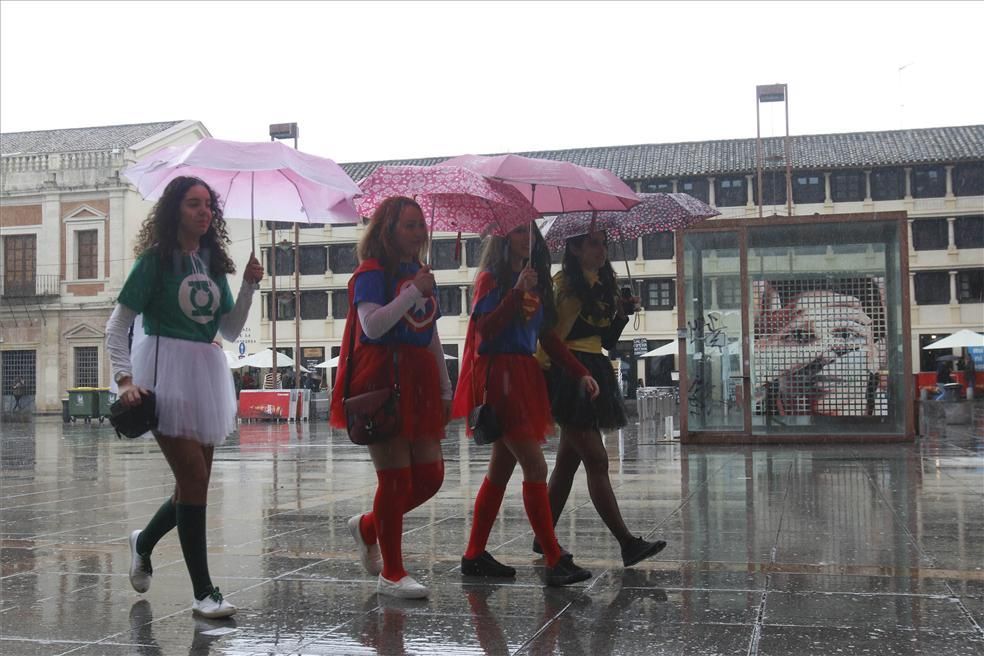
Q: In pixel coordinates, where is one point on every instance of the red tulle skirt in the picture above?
(421, 407)
(517, 392)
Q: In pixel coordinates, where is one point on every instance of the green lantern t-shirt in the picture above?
(185, 303)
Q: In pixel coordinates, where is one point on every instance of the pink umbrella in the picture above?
(553, 186)
(264, 178)
(660, 212)
(455, 199)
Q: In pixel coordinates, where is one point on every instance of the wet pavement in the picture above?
(773, 550)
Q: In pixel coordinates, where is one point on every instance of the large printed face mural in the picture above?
(819, 347)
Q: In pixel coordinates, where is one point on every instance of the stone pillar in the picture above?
(912, 287)
(710, 192)
(908, 182)
(464, 300)
(867, 186)
(750, 202)
(116, 254)
(953, 288)
(674, 182)
(827, 198)
(951, 241)
(714, 293)
(912, 245)
(949, 180)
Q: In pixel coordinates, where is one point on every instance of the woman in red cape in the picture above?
(393, 310)
(512, 310)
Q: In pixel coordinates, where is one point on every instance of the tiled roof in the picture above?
(76, 139)
(697, 158)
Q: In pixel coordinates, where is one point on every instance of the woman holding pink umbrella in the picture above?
(513, 310)
(392, 322)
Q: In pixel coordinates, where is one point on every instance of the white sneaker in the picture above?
(369, 554)
(213, 606)
(140, 569)
(405, 588)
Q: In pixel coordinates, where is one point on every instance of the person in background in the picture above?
(970, 372)
(393, 311)
(179, 285)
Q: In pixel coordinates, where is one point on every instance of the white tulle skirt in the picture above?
(196, 398)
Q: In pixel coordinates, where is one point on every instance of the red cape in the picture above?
(337, 415)
(463, 402)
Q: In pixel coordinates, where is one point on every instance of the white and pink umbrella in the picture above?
(553, 186)
(266, 179)
(453, 199)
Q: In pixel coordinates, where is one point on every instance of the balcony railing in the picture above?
(46, 285)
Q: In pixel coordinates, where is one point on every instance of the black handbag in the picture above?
(371, 417)
(482, 421)
(136, 420)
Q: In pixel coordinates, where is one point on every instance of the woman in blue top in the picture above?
(393, 310)
(513, 310)
(178, 284)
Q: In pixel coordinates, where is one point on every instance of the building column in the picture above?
(951, 240)
(827, 198)
(908, 182)
(674, 182)
(464, 300)
(714, 293)
(116, 254)
(949, 180)
(710, 193)
(912, 288)
(953, 287)
(867, 186)
(912, 245)
(749, 192)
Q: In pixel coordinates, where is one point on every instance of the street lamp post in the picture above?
(286, 131)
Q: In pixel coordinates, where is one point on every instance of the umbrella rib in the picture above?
(294, 184)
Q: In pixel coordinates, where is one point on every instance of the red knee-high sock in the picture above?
(427, 479)
(387, 510)
(487, 505)
(536, 501)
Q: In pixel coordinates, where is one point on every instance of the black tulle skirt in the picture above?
(570, 404)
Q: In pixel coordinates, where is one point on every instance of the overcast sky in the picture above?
(383, 81)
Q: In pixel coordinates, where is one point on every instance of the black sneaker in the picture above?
(565, 572)
(638, 549)
(487, 566)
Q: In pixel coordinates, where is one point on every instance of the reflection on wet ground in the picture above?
(772, 550)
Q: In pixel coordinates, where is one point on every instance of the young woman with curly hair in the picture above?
(179, 285)
(393, 314)
(513, 309)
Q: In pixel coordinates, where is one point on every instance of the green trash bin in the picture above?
(83, 403)
(106, 399)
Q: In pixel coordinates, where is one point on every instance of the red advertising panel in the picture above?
(264, 404)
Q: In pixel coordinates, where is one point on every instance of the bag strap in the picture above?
(351, 350)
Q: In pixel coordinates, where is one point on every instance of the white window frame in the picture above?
(74, 225)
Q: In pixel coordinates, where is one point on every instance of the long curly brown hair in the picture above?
(597, 302)
(160, 229)
(379, 241)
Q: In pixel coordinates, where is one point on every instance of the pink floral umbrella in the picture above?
(660, 212)
(452, 198)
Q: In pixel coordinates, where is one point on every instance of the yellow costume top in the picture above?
(579, 331)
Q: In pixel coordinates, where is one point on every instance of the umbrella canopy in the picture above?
(453, 198)
(959, 339)
(265, 179)
(264, 360)
(553, 186)
(658, 212)
(666, 349)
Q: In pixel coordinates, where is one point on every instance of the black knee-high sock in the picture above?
(163, 521)
(191, 532)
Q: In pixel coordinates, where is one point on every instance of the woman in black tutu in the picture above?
(590, 317)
